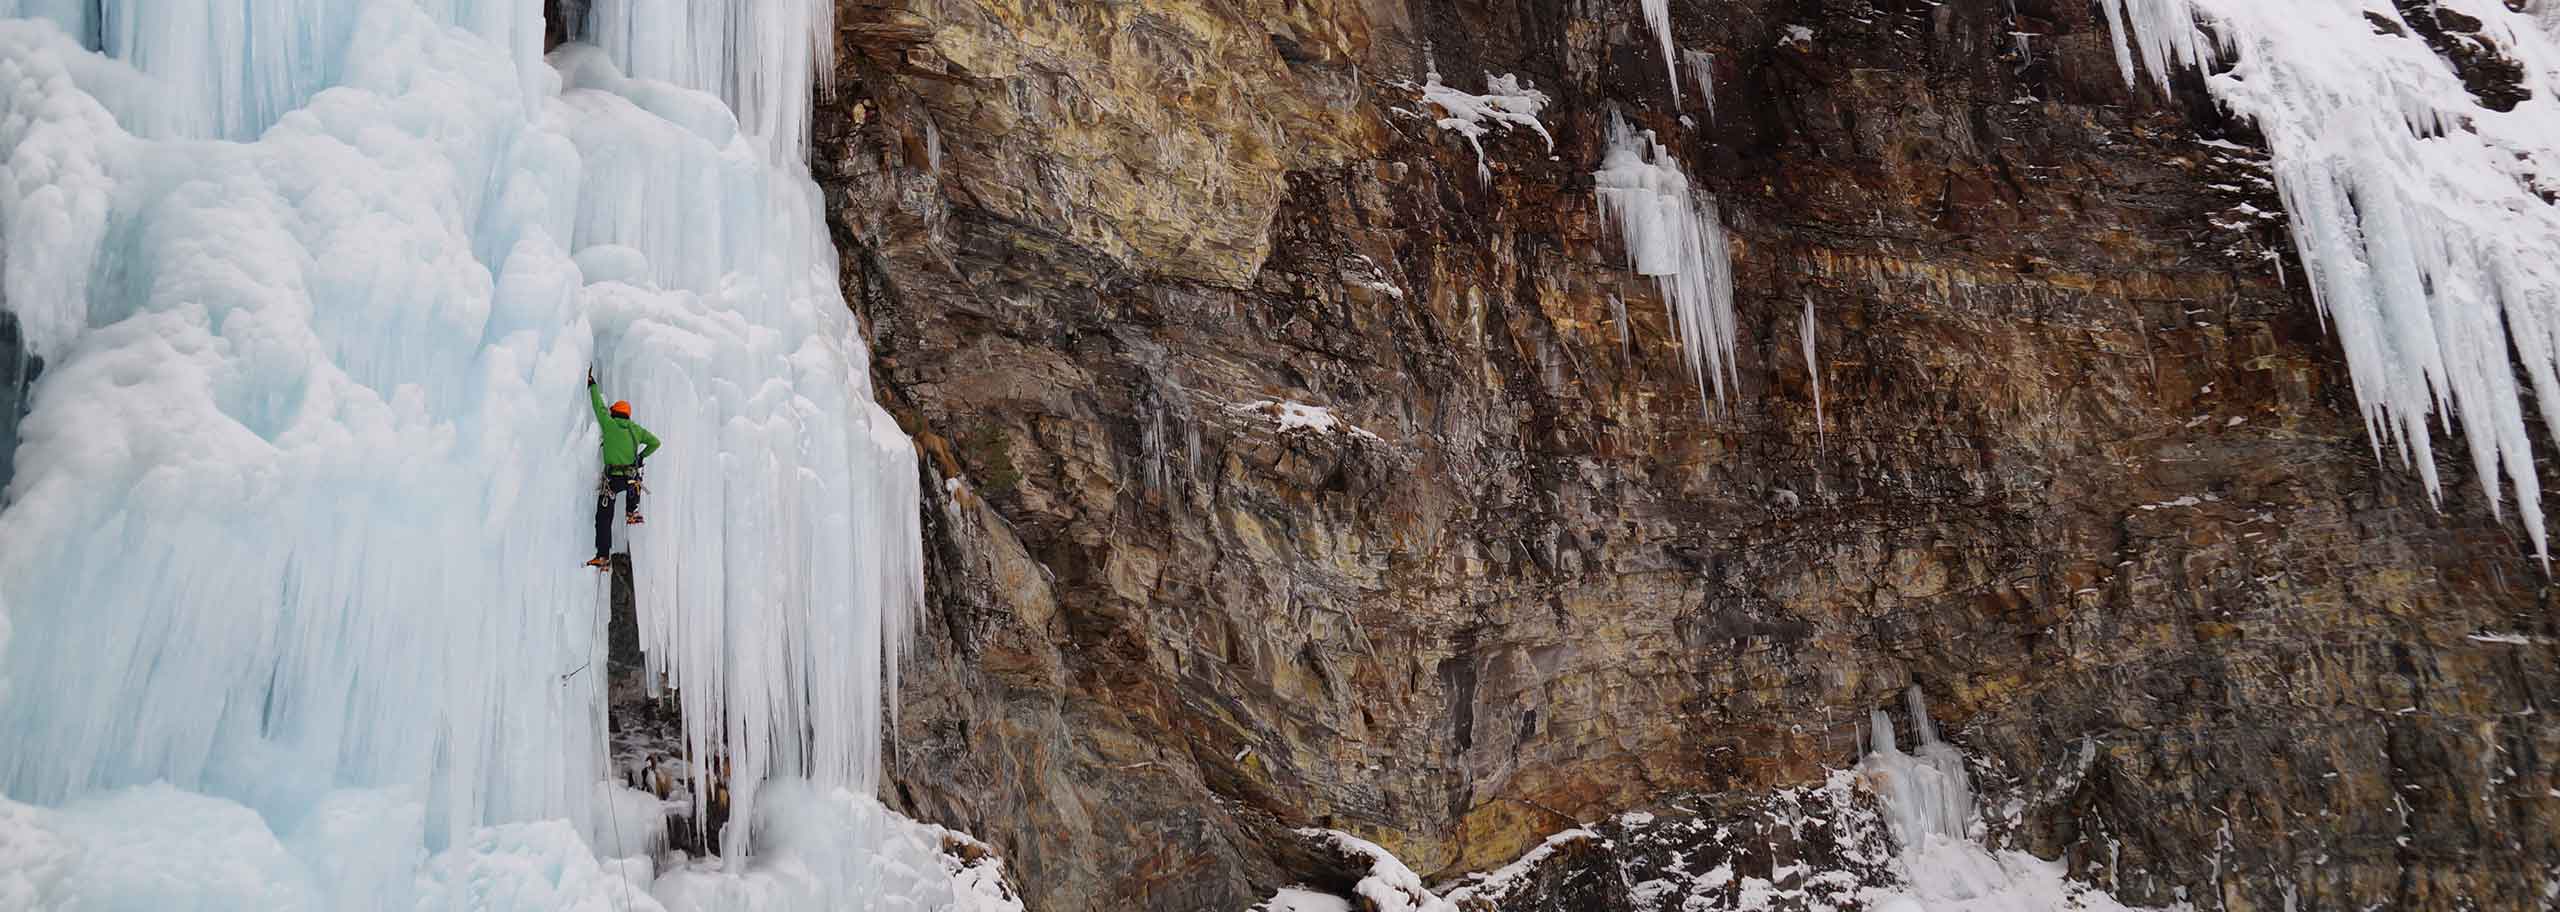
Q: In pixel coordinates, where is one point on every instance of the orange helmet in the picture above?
(622, 409)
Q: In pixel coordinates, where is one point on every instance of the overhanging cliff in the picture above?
(2087, 468)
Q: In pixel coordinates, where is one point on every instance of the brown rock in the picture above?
(2088, 470)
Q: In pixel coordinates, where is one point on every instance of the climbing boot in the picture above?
(600, 563)
(631, 518)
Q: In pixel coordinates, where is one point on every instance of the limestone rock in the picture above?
(2087, 470)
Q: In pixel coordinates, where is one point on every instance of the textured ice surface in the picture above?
(1675, 236)
(290, 595)
(1929, 807)
(764, 58)
(34, 857)
(2420, 210)
(820, 839)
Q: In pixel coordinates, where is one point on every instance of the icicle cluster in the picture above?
(1675, 236)
(2420, 213)
(298, 518)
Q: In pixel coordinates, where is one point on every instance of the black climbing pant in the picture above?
(605, 493)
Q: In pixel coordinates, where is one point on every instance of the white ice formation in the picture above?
(1657, 16)
(1942, 862)
(291, 610)
(1674, 235)
(1506, 103)
(1702, 67)
(2422, 212)
(1812, 365)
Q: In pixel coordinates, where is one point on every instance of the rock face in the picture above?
(2084, 467)
(19, 368)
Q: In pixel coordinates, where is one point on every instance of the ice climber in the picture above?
(627, 446)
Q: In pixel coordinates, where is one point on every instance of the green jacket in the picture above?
(626, 443)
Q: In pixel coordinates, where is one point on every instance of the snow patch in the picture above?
(1389, 886)
(1292, 415)
(1301, 899)
(34, 858)
(2511, 639)
(1497, 886)
(2190, 500)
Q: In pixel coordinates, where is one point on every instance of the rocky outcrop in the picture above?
(2084, 467)
(19, 368)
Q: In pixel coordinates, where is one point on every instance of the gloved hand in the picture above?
(591, 376)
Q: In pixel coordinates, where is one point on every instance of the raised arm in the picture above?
(596, 398)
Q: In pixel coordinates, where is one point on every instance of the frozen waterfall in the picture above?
(291, 610)
(1930, 811)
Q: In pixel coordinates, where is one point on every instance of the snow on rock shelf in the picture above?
(1300, 899)
(1900, 832)
(1292, 415)
(2419, 199)
(1388, 886)
(1505, 104)
(1675, 236)
(294, 616)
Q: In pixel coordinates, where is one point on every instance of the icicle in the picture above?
(1702, 67)
(932, 148)
(1676, 237)
(1813, 369)
(1657, 13)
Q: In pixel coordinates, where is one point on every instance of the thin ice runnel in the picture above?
(1812, 366)
(1675, 236)
(2418, 213)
